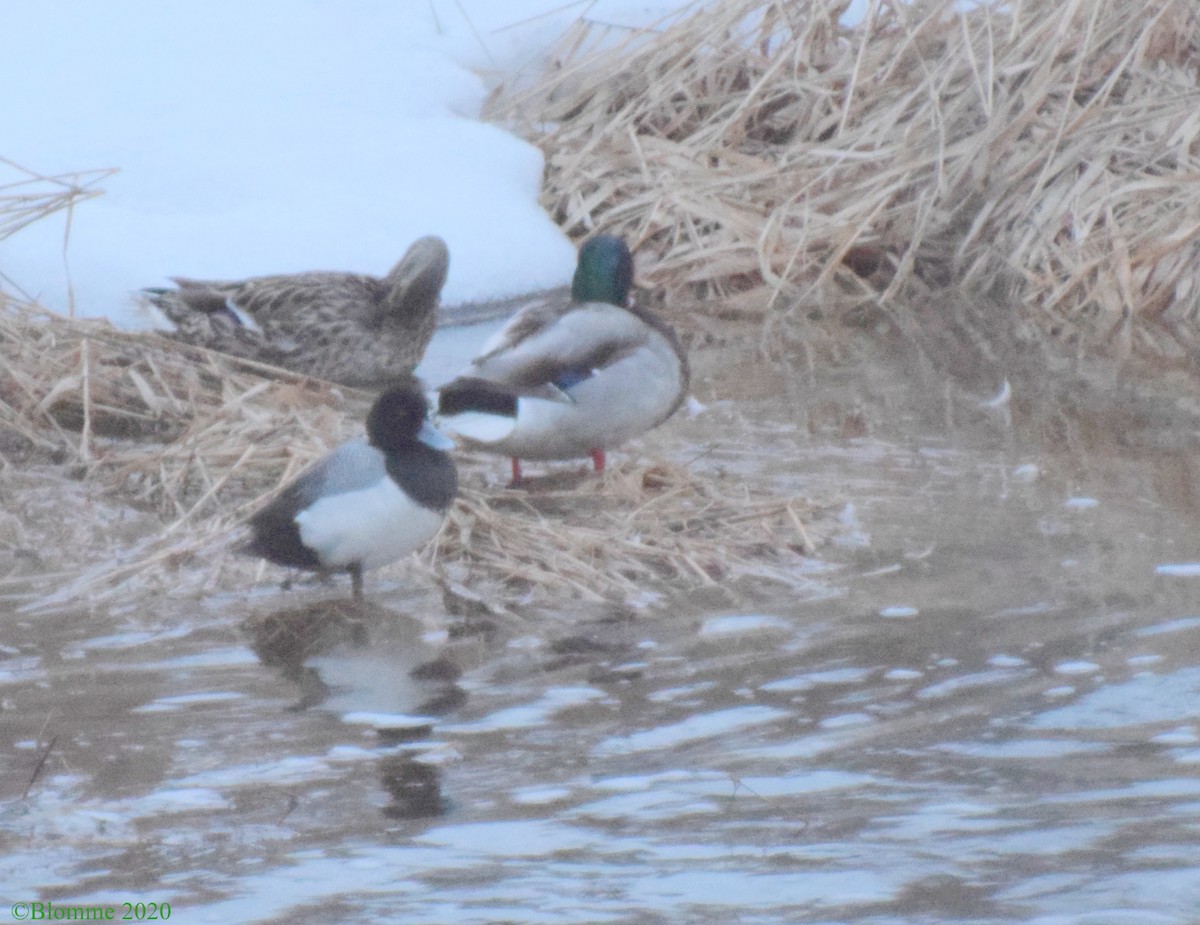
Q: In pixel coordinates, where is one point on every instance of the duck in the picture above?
(369, 502)
(357, 330)
(573, 377)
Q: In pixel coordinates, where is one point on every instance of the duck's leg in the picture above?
(516, 472)
(597, 459)
(356, 583)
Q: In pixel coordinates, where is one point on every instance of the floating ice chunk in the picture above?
(1064, 690)
(1076, 667)
(537, 796)
(1171, 626)
(811, 679)
(714, 725)
(387, 720)
(164, 704)
(1179, 569)
(846, 720)
(739, 624)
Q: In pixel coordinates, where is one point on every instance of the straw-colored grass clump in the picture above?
(134, 459)
(759, 152)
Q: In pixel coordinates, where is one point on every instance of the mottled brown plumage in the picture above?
(355, 329)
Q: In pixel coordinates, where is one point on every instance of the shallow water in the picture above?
(987, 710)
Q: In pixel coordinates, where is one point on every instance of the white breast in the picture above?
(372, 526)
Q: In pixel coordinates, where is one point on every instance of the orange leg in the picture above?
(516, 471)
(598, 459)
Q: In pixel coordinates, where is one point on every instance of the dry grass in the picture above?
(643, 529)
(34, 196)
(763, 157)
(121, 425)
(164, 450)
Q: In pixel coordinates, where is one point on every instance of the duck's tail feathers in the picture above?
(185, 306)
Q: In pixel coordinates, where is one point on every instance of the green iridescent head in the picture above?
(604, 272)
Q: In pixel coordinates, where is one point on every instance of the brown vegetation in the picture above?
(760, 154)
(101, 427)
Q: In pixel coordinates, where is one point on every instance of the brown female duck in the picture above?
(355, 329)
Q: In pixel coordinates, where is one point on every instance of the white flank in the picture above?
(479, 426)
(374, 526)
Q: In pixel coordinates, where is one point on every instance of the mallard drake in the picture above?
(354, 329)
(367, 503)
(571, 378)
